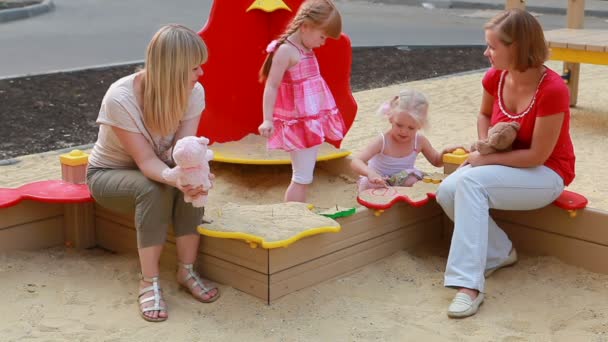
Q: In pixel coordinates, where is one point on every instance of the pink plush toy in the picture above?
(192, 158)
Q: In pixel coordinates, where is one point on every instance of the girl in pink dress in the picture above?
(299, 109)
(394, 152)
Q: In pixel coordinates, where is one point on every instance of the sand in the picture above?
(273, 225)
(63, 294)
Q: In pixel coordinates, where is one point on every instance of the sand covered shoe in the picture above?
(463, 306)
(509, 261)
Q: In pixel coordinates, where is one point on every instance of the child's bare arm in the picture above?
(432, 155)
(359, 161)
(282, 60)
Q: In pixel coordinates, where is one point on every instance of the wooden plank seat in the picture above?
(46, 213)
(578, 45)
(573, 45)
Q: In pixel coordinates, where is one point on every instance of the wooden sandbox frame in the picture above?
(272, 273)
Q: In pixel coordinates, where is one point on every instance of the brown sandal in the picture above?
(204, 285)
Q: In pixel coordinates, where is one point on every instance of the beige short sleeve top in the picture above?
(119, 108)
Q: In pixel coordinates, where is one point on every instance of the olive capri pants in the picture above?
(156, 205)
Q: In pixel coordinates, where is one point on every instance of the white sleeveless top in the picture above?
(387, 166)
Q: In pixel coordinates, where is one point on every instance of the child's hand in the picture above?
(376, 179)
(266, 129)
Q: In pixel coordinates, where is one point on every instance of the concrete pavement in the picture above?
(598, 8)
(26, 12)
(88, 33)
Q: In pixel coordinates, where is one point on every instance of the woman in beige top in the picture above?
(141, 117)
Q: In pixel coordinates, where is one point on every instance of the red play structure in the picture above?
(236, 36)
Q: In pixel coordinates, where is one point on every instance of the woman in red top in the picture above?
(518, 87)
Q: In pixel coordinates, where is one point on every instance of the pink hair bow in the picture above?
(385, 107)
(272, 46)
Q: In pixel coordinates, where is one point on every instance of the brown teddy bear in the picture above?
(500, 138)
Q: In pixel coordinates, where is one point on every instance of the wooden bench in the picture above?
(52, 212)
(37, 215)
(574, 45)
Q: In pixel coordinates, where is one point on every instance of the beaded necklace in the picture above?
(522, 114)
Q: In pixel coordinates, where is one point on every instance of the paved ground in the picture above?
(84, 33)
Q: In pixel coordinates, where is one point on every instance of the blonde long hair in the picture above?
(172, 53)
(321, 14)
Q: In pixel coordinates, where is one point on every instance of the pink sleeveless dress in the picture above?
(305, 112)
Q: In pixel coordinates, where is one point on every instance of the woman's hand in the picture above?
(476, 159)
(266, 129)
(195, 191)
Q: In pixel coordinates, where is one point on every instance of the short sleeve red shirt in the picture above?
(551, 98)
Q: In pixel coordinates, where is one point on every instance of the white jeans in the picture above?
(303, 164)
(466, 197)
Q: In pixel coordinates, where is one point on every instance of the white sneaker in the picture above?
(510, 260)
(463, 306)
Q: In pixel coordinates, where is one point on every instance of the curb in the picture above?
(90, 67)
(488, 6)
(15, 160)
(27, 11)
(599, 13)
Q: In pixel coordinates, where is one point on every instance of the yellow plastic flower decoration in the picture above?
(268, 5)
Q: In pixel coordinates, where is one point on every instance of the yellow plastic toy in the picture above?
(451, 161)
(434, 178)
(74, 158)
(74, 166)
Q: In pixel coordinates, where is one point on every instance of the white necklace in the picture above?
(522, 114)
